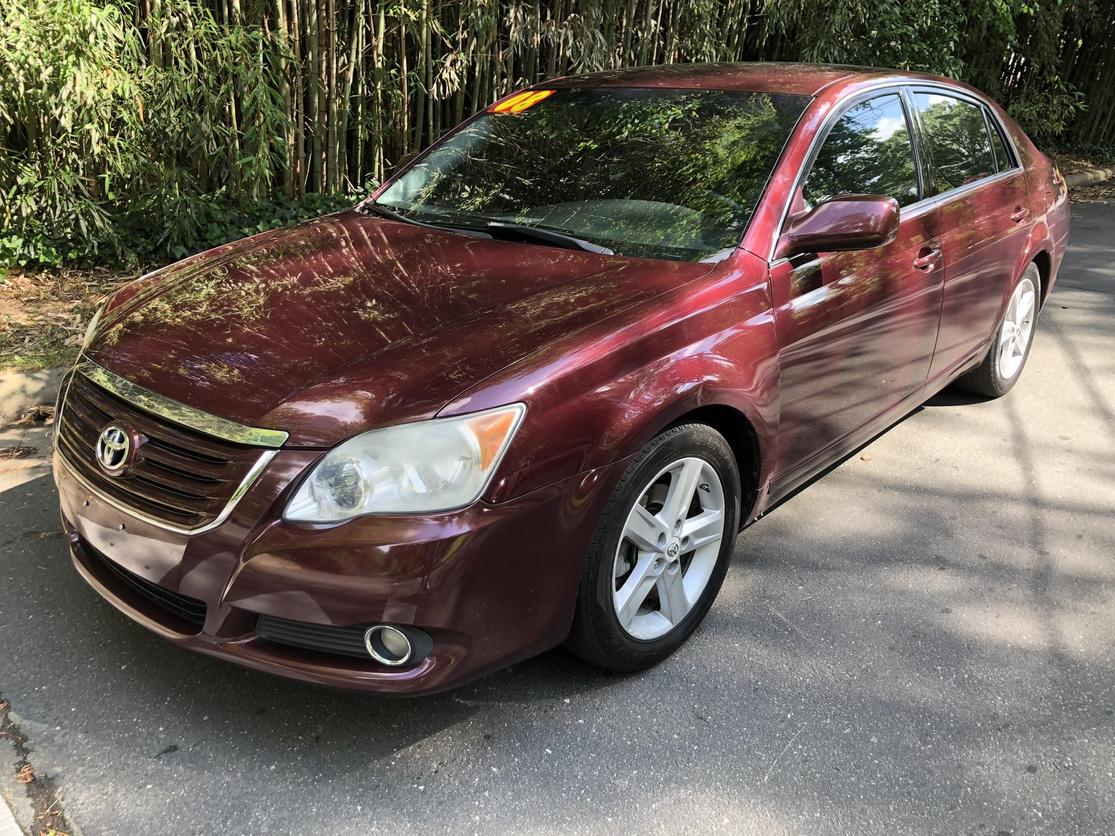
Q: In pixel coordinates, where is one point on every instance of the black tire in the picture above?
(986, 379)
(597, 636)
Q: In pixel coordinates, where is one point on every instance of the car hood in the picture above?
(349, 322)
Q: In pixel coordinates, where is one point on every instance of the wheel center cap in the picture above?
(673, 549)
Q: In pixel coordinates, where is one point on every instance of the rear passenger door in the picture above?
(983, 206)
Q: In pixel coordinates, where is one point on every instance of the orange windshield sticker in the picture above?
(520, 101)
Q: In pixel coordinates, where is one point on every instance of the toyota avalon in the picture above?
(529, 391)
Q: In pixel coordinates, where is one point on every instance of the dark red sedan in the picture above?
(531, 390)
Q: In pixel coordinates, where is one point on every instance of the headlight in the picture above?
(91, 327)
(415, 468)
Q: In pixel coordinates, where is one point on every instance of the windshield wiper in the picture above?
(373, 208)
(503, 230)
(541, 235)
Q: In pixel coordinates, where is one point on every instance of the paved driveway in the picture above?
(919, 641)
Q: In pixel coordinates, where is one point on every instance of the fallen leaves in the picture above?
(20, 451)
(50, 818)
(43, 314)
(1069, 163)
(40, 415)
(1094, 193)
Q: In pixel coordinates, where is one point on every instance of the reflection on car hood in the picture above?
(349, 322)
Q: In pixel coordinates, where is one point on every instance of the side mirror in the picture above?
(848, 222)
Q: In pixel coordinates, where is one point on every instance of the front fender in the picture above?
(599, 398)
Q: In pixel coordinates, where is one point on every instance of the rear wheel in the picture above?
(660, 552)
(1007, 355)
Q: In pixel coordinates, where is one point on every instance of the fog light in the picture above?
(388, 645)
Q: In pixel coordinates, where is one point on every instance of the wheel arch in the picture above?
(740, 433)
(1044, 262)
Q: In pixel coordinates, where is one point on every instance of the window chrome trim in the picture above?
(837, 110)
(967, 188)
(241, 489)
(996, 129)
(178, 413)
(983, 104)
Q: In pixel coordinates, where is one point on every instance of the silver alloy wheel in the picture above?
(668, 549)
(1018, 328)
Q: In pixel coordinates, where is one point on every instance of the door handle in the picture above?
(1019, 214)
(928, 258)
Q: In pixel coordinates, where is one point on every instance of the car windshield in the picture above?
(672, 174)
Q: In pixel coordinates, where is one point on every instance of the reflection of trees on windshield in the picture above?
(671, 174)
(868, 151)
(959, 146)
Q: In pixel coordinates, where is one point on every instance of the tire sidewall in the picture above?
(1002, 384)
(693, 440)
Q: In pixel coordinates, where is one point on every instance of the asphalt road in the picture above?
(921, 641)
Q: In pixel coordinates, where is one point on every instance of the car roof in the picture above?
(758, 77)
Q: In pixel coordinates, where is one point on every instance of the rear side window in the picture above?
(958, 145)
(868, 151)
(1004, 160)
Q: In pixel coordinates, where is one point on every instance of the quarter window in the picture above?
(956, 138)
(1003, 159)
(868, 151)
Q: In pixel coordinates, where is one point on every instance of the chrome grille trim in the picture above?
(175, 413)
(179, 413)
(241, 489)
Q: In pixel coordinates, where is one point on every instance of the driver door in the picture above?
(857, 329)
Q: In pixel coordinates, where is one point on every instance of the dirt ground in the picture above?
(1096, 193)
(43, 313)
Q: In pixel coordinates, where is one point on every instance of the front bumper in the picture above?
(490, 584)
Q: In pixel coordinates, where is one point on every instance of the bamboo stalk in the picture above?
(332, 152)
(377, 97)
(404, 109)
(350, 73)
(314, 41)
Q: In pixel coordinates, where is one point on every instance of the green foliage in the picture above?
(138, 131)
(1049, 107)
(877, 33)
(68, 85)
(122, 145)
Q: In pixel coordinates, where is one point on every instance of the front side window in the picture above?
(868, 151)
(673, 174)
(959, 148)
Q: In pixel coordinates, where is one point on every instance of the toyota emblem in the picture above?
(113, 448)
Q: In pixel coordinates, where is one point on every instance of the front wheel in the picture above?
(1003, 364)
(660, 552)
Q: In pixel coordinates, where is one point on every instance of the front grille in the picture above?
(178, 475)
(190, 610)
(345, 641)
